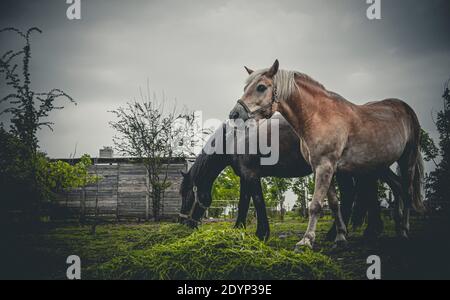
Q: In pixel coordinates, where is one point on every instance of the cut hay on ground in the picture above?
(217, 254)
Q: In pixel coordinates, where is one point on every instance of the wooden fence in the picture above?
(121, 192)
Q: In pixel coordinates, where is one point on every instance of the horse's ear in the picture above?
(273, 69)
(249, 71)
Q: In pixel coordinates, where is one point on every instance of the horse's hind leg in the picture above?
(374, 221)
(407, 170)
(341, 229)
(346, 186)
(394, 183)
(244, 203)
(361, 206)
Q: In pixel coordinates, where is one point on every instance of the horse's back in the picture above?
(379, 132)
(391, 109)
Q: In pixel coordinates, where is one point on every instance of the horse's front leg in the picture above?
(323, 173)
(262, 229)
(244, 202)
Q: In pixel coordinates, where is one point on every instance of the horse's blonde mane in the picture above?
(284, 81)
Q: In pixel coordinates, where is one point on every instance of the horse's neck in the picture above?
(210, 168)
(299, 109)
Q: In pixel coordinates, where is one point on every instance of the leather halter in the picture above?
(189, 217)
(251, 114)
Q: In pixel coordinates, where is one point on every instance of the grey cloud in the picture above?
(195, 51)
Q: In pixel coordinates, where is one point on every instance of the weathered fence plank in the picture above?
(122, 192)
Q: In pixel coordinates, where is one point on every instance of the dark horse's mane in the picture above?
(198, 170)
(203, 167)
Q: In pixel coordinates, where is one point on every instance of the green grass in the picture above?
(218, 254)
(214, 251)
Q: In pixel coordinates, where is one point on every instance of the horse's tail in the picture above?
(417, 163)
(417, 199)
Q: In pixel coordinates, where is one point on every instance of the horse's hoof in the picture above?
(239, 226)
(371, 235)
(263, 236)
(403, 237)
(302, 245)
(341, 244)
(402, 234)
(331, 235)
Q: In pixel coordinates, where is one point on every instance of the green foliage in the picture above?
(428, 147)
(216, 254)
(22, 181)
(15, 173)
(225, 192)
(226, 186)
(274, 193)
(28, 110)
(276, 188)
(302, 187)
(58, 176)
(383, 190)
(438, 181)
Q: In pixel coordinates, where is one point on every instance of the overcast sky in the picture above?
(195, 51)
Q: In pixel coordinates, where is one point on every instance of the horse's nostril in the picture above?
(234, 115)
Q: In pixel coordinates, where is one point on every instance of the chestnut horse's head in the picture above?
(260, 95)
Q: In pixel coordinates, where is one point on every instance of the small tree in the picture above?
(55, 177)
(59, 176)
(428, 148)
(303, 187)
(438, 181)
(225, 191)
(149, 132)
(276, 189)
(29, 110)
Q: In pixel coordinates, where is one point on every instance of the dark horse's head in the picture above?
(192, 201)
(260, 95)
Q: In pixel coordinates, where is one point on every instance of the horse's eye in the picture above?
(261, 88)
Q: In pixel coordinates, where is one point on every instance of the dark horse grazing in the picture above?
(339, 136)
(197, 182)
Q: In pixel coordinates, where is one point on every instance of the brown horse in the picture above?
(337, 135)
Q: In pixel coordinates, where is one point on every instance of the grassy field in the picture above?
(215, 251)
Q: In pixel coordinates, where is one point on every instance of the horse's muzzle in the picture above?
(239, 112)
(187, 221)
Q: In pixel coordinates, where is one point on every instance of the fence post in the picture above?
(117, 198)
(83, 204)
(147, 206)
